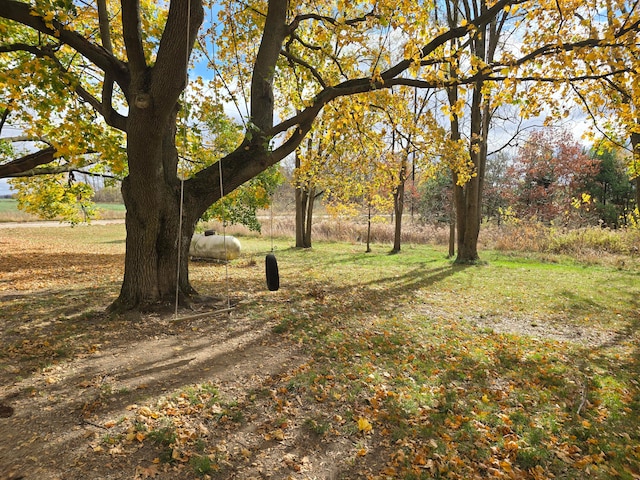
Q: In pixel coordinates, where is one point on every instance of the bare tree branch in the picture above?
(35, 172)
(17, 167)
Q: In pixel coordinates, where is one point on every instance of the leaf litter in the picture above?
(299, 385)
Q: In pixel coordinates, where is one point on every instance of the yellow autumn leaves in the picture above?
(364, 425)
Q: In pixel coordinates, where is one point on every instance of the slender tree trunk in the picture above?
(635, 144)
(468, 196)
(452, 221)
(304, 199)
(311, 197)
(300, 200)
(398, 204)
(368, 250)
(399, 208)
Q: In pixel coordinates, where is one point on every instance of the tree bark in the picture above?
(452, 221)
(151, 194)
(635, 146)
(398, 206)
(304, 200)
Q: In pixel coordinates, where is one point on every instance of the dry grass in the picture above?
(590, 245)
(326, 228)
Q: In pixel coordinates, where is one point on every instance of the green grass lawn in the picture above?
(8, 205)
(515, 368)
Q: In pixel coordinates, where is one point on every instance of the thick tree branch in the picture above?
(131, 32)
(169, 74)
(104, 23)
(274, 33)
(17, 167)
(109, 113)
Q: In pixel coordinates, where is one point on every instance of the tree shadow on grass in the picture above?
(351, 335)
(67, 370)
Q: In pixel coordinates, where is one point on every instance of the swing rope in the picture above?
(184, 151)
(184, 154)
(224, 238)
(175, 313)
(271, 223)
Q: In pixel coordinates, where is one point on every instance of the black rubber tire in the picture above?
(273, 277)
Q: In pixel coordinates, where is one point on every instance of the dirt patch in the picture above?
(546, 329)
(549, 328)
(61, 413)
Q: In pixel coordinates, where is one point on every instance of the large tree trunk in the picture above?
(156, 241)
(151, 260)
(157, 244)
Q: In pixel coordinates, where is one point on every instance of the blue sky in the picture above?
(4, 187)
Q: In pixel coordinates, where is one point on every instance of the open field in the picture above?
(9, 211)
(362, 366)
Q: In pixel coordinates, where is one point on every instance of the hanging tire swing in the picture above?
(270, 262)
(271, 269)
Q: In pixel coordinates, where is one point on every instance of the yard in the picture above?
(362, 366)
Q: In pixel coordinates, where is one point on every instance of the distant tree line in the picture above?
(551, 178)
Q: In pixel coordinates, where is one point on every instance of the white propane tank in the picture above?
(214, 246)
